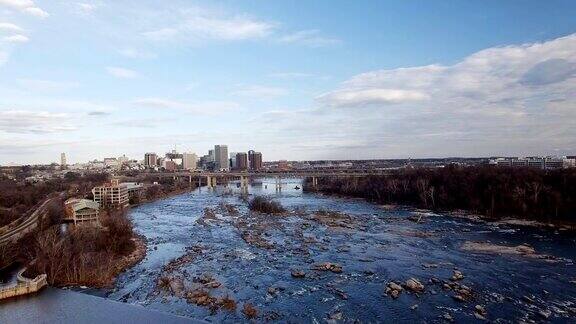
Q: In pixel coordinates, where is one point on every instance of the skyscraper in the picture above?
(255, 160)
(221, 157)
(241, 161)
(63, 161)
(150, 160)
(189, 161)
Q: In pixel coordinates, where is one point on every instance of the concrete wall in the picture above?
(24, 286)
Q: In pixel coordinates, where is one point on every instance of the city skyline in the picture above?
(102, 78)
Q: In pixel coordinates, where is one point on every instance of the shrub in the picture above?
(263, 205)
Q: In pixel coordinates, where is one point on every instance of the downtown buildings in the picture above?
(218, 159)
(255, 160)
(221, 158)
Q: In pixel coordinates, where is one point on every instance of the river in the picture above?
(250, 259)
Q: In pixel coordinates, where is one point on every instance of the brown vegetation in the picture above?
(541, 195)
(83, 255)
(249, 311)
(266, 206)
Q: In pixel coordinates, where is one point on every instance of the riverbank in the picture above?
(139, 252)
(529, 196)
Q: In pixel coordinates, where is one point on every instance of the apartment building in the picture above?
(113, 194)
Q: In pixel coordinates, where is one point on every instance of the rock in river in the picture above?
(414, 285)
(298, 274)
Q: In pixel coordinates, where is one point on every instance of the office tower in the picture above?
(232, 160)
(63, 161)
(150, 160)
(211, 156)
(255, 160)
(189, 161)
(221, 157)
(241, 161)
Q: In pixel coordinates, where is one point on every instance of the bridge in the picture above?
(211, 178)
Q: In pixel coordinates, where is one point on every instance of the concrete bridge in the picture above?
(211, 179)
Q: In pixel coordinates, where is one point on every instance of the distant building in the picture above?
(211, 156)
(112, 194)
(170, 165)
(150, 160)
(189, 161)
(63, 161)
(221, 157)
(241, 161)
(255, 160)
(283, 165)
(111, 163)
(134, 189)
(232, 160)
(82, 211)
(544, 163)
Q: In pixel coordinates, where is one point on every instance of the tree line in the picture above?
(495, 192)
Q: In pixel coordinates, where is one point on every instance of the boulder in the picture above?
(414, 285)
(457, 275)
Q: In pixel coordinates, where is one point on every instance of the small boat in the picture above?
(297, 188)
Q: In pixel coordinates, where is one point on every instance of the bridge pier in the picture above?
(211, 182)
(244, 183)
(278, 183)
(314, 182)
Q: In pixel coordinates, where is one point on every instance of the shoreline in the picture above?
(141, 246)
(464, 214)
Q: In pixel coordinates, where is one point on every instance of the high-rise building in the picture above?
(255, 160)
(221, 157)
(63, 161)
(241, 161)
(189, 161)
(150, 160)
(232, 160)
(211, 156)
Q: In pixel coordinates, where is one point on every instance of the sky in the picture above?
(296, 80)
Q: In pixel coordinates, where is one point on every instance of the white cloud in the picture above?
(87, 8)
(511, 100)
(198, 23)
(122, 73)
(207, 108)
(9, 27)
(261, 92)
(364, 97)
(16, 39)
(34, 122)
(25, 6)
(312, 38)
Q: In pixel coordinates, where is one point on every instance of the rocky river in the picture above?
(330, 259)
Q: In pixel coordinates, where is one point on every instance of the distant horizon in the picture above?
(319, 160)
(334, 80)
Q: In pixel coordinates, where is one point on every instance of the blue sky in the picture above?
(295, 80)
